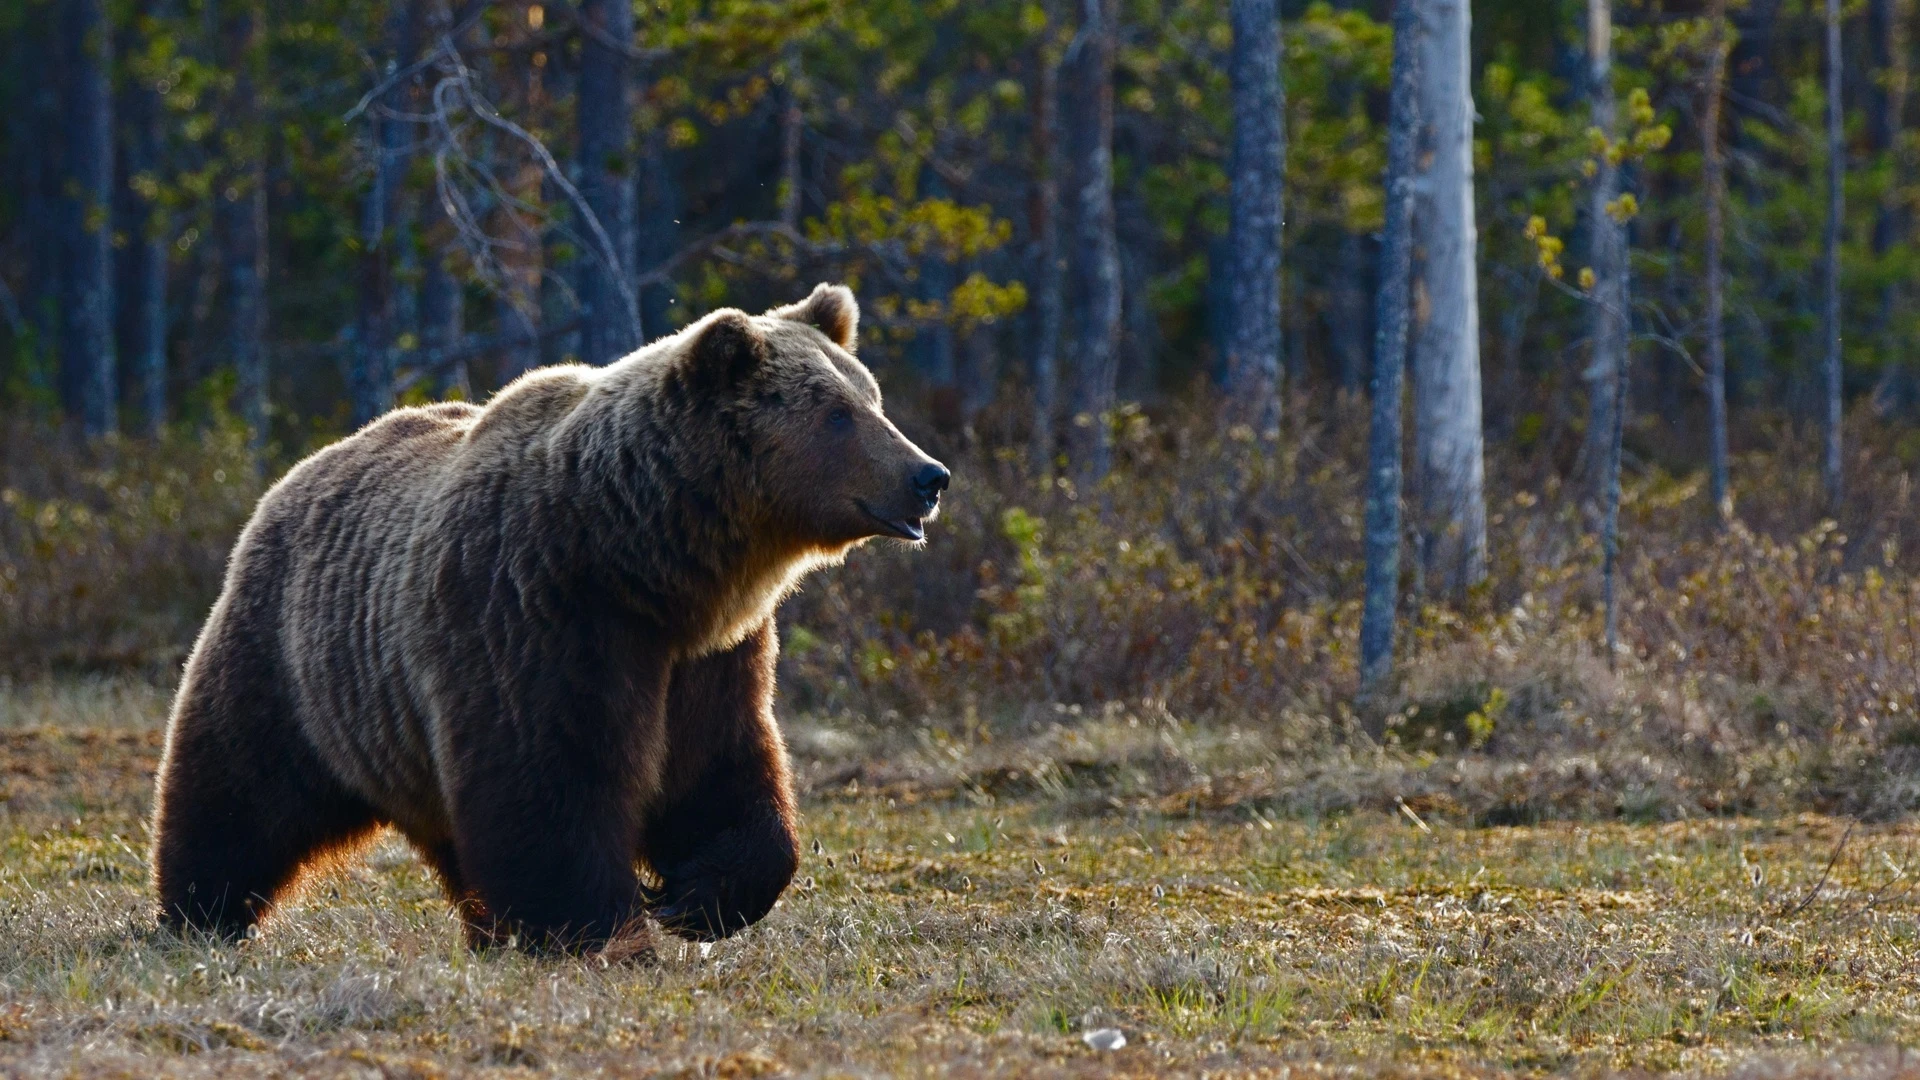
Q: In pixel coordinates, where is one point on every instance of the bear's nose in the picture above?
(930, 481)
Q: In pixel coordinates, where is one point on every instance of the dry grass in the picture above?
(1091, 760)
(976, 902)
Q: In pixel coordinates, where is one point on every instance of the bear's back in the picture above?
(336, 555)
(338, 530)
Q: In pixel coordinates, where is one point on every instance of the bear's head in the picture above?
(832, 469)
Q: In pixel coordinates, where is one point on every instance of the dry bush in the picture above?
(1215, 578)
(112, 552)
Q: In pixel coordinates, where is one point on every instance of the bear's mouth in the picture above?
(905, 528)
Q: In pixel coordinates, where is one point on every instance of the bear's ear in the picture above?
(831, 309)
(725, 349)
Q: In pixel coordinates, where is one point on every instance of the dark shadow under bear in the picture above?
(537, 638)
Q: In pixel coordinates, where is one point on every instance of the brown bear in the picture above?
(537, 638)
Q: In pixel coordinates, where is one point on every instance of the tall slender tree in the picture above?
(1096, 251)
(1607, 255)
(382, 232)
(1449, 458)
(442, 297)
(1714, 166)
(1256, 169)
(1044, 213)
(1607, 373)
(1830, 307)
(87, 370)
(793, 124)
(658, 230)
(610, 316)
(142, 280)
(34, 129)
(1349, 312)
(241, 210)
(1392, 304)
(1886, 88)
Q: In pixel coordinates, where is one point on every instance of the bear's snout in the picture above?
(929, 481)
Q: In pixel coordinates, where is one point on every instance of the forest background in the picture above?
(1129, 266)
(1431, 584)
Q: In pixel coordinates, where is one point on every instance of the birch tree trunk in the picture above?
(1836, 171)
(1045, 224)
(1096, 256)
(609, 328)
(1449, 467)
(1390, 354)
(88, 386)
(1255, 169)
(1716, 180)
(1608, 258)
(1607, 374)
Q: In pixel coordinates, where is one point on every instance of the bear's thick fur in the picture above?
(537, 638)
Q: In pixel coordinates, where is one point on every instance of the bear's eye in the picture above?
(840, 419)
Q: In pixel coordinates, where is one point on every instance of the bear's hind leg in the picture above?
(243, 803)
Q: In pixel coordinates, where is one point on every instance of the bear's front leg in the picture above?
(550, 874)
(722, 838)
(545, 812)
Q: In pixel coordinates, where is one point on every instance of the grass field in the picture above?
(972, 908)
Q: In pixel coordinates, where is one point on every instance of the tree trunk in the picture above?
(1886, 117)
(1390, 353)
(1348, 315)
(609, 318)
(979, 373)
(519, 307)
(658, 231)
(1449, 467)
(242, 212)
(36, 130)
(1887, 60)
(1096, 256)
(85, 205)
(1836, 165)
(1045, 214)
(442, 299)
(792, 128)
(143, 274)
(1716, 180)
(1608, 257)
(1256, 171)
(381, 232)
(559, 297)
(1607, 374)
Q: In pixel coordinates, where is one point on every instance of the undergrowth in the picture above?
(1215, 579)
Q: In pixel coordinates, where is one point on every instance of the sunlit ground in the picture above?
(982, 928)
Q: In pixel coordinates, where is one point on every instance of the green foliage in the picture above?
(918, 165)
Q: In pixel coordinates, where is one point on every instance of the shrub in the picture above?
(1214, 577)
(111, 553)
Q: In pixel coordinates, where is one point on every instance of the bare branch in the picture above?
(433, 55)
(626, 48)
(603, 244)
